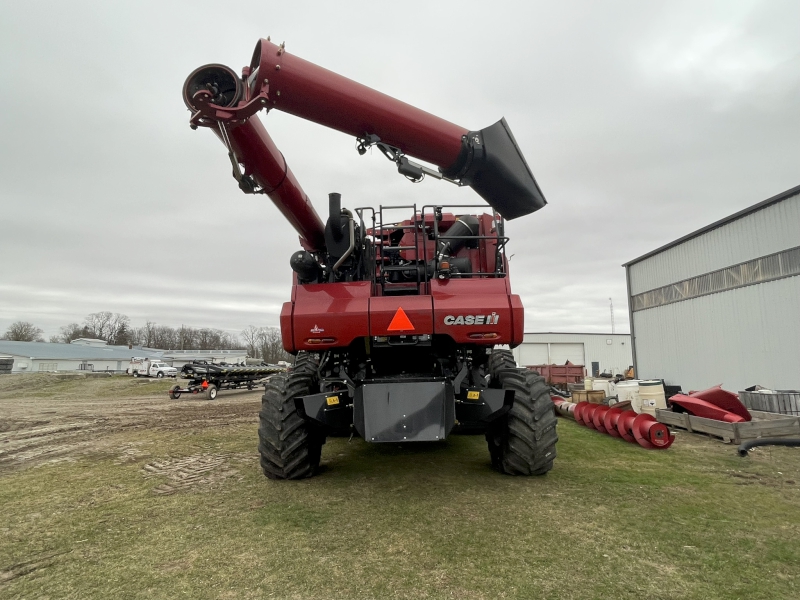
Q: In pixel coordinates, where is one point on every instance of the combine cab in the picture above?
(395, 311)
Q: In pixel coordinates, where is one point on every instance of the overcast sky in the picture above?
(642, 121)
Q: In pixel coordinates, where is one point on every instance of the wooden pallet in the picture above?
(763, 425)
(593, 396)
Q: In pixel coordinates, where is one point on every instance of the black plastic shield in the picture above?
(492, 164)
(333, 410)
(404, 411)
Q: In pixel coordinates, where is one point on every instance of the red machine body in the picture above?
(393, 321)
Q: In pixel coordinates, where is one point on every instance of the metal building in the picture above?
(96, 355)
(598, 352)
(722, 305)
(38, 357)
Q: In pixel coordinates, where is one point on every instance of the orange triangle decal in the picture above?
(400, 322)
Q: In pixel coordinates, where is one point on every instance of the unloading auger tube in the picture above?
(487, 160)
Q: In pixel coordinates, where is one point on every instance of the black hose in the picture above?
(791, 442)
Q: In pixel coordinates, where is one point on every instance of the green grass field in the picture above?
(188, 514)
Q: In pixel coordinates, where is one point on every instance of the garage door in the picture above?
(532, 354)
(561, 353)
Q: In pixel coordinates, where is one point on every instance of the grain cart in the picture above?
(392, 320)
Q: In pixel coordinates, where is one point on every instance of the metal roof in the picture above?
(742, 213)
(46, 350)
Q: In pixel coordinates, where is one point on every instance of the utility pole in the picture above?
(611, 303)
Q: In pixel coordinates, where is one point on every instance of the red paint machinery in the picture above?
(393, 323)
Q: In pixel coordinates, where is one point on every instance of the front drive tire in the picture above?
(525, 443)
(289, 446)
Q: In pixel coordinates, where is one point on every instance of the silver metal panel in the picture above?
(561, 352)
(737, 338)
(769, 230)
(532, 354)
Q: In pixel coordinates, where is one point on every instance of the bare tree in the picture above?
(111, 327)
(115, 328)
(70, 332)
(145, 335)
(271, 345)
(252, 341)
(22, 331)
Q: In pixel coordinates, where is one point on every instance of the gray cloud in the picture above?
(641, 121)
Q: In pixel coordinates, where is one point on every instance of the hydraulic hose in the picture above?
(791, 442)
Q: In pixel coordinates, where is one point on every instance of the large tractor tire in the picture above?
(500, 360)
(525, 443)
(290, 448)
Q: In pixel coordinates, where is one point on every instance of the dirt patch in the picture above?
(11, 572)
(50, 427)
(201, 471)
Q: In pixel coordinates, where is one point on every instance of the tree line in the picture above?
(260, 342)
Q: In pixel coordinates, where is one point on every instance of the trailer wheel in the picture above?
(289, 447)
(211, 392)
(174, 393)
(525, 442)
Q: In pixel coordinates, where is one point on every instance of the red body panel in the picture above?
(335, 313)
(518, 320)
(332, 315)
(482, 299)
(418, 311)
(287, 337)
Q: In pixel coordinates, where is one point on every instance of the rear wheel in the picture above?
(525, 442)
(136, 373)
(500, 360)
(289, 446)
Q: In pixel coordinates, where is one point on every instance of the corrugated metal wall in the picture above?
(738, 338)
(614, 358)
(769, 230)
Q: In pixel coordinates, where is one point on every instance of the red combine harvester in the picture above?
(393, 323)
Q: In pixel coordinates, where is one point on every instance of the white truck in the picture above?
(150, 367)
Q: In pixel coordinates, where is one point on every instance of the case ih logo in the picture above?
(316, 329)
(491, 319)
